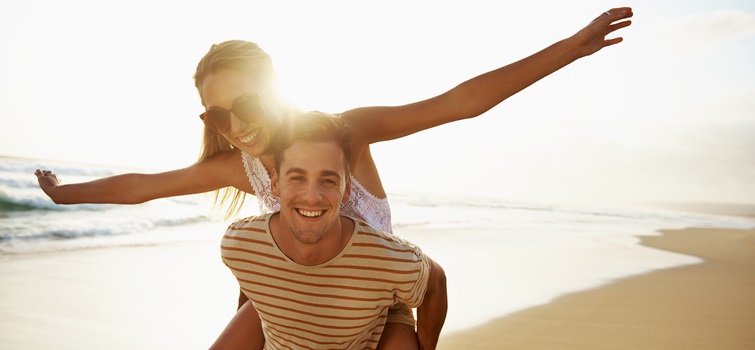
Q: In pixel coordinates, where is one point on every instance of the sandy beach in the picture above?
(180, 296)
(704, 306)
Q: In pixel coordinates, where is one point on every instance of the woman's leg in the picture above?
(243, 332)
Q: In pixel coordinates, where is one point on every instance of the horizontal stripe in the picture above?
(318, 305)
(248, 251)
(311, 275)
(250, 240)
(378, 257)
(325, 285)
(372, 268)
(380, 246)
(386, 237)
(369, 316)
(318, 295)
(243, 224)
(310, 331)
(266, 312)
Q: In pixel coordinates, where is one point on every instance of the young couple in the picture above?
(243, 115)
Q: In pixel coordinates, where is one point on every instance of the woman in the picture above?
(235, 83)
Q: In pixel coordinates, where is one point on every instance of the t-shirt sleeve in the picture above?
(413, 296)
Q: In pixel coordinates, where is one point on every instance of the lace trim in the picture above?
(260, 180)
(362, 204)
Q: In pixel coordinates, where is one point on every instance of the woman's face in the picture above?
(252, 135)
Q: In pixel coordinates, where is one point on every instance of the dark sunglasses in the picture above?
(248, 108)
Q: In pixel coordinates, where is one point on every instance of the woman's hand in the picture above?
(592, 38)
(47, 180)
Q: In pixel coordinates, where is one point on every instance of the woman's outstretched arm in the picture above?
(223, 170)
(481, 93)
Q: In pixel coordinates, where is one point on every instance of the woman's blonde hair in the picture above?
(246, 58)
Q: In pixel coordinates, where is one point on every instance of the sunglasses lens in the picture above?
(248, 108)
(217, 121)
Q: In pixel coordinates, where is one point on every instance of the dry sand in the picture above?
(705, 306)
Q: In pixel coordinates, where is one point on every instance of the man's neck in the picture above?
(318, 253)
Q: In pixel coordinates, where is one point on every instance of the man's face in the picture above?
(311, 185)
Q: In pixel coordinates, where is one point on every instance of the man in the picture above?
(319, 279)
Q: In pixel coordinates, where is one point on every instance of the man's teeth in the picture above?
(310, 213)
(250, 137)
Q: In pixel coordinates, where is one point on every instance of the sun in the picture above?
(305, 87)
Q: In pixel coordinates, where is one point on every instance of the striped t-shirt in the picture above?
(341, 304)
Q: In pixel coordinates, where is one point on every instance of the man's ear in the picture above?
(274, 184)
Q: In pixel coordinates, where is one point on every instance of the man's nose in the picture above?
(312, 192)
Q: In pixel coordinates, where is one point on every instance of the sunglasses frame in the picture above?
(216, 117)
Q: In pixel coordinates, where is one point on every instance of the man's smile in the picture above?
(310, 213)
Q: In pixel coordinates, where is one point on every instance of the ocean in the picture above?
(523, 254)
(31, 223)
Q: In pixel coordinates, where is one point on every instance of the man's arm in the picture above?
(431, 314)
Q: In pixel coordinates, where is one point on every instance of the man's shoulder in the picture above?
(369, 234)
(255, 221)
(362, 227)
(249, 230)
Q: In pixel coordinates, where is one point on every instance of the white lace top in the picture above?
(361, 204)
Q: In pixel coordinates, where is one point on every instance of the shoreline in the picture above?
(709, 305)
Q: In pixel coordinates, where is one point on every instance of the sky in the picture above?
(666, 116)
